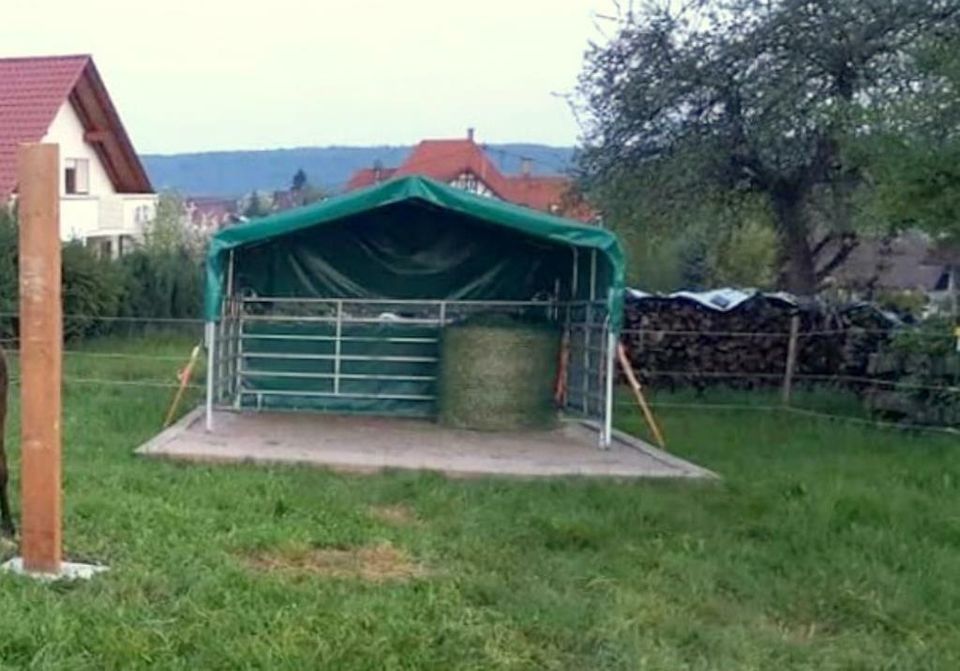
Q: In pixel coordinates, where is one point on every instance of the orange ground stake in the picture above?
(638, 394)
(184, 377)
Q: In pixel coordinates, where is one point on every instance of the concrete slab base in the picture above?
(68, 570)
(369, 444)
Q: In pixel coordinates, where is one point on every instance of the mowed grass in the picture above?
(825, 546)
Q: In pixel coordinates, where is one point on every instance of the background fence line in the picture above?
(111, 346)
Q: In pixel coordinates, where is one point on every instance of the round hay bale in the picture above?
(498, 376)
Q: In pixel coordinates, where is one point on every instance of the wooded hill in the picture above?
(234, 173)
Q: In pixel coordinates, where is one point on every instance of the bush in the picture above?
(157, 281)
(925, 366)
(91, 289)
(161, 284)
(8, 273)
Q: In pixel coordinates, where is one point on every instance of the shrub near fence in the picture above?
(918, 377)
(149, 286)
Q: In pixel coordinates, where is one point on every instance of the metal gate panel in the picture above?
(367, 356)
(587, 335)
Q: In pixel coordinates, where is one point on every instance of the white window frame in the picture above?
(81, 176)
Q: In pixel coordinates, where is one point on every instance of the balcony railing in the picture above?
(83, 216)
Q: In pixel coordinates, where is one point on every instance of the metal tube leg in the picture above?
(608, 392)
(211, 330)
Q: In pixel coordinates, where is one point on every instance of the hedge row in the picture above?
(147, 284)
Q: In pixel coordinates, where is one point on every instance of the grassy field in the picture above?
(826, 546)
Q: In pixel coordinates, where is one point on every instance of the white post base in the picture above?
(68, 571)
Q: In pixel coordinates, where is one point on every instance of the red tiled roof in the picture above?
(369, 177)
(541, 193)
(32, 90)
(551, 194)
(445, 160)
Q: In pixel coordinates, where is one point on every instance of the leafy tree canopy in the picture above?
(915, 157)
(755, 96)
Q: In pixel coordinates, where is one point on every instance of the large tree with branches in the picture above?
(756, 96)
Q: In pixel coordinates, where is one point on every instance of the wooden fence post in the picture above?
(791, 359)
(41, 338)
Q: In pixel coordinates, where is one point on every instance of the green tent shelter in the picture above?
(338, 306)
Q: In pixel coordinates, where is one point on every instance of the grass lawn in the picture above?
(826, 546)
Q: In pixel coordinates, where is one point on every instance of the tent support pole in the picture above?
(593, 275)
(573, 280)
(607, 437)
(228, 337)
(337, 349)
(211, 330)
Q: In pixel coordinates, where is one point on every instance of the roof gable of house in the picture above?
(448, 160)
(895, 264)
(32, 90)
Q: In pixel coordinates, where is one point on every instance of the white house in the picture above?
(106, 196)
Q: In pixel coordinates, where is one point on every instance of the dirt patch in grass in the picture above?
(374, 563)
(397, 514)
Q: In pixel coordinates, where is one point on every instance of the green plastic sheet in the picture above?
(414, 238)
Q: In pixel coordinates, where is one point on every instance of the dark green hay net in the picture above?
(497, 374)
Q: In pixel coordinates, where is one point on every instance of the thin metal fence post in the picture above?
(791, 364)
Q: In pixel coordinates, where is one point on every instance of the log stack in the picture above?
(676, 341)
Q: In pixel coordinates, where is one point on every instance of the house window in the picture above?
(76, 176)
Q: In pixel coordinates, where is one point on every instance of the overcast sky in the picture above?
(241, 74)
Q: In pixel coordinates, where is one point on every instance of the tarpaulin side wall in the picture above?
(406, 250)
(411, 238)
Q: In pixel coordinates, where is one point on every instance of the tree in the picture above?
(755, 96)
(914, 158)
(256, 206)
(169, 230)
(299, 180)
(302, 192)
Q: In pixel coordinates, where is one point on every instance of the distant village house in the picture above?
(464, 164)
(911, 262)
(106, 197)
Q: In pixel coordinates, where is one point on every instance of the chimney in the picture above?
(377, 170)
(470, 134)
(526, 166)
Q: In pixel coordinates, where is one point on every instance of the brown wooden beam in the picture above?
(96, 136)
(41, 338)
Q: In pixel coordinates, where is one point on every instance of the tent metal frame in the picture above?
(586, 324)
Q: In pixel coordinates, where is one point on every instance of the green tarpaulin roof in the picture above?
(442, 197)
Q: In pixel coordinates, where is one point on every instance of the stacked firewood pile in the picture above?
(676, 341)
